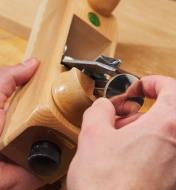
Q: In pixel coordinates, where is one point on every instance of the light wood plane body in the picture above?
(51, 105)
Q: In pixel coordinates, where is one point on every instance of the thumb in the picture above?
(14, 76)
(99, 117)
(11, 77)
(22, 73)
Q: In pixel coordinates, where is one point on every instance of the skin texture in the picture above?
(133, 152)
(13, 177)
(118, 147)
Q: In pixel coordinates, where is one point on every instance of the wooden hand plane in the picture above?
(44, 118)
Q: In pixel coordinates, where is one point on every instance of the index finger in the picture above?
(151, 87)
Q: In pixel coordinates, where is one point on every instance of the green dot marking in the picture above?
(94, 19)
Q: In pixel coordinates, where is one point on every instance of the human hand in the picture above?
(13, 177)
(132, 153)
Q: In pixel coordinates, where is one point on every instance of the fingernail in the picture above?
(31, 61)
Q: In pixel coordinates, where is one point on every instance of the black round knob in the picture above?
(44, 158)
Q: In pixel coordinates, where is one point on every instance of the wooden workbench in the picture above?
(147, 36)
(11, 48)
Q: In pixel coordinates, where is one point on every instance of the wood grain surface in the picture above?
(56, 20)
(17, 16)
(11, 48)
(147, 38)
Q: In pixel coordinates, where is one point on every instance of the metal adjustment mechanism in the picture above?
(101, 70)
(110, 80)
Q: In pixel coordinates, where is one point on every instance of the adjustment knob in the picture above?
(104, 7)
(73, 98)
(44, 158)
(118, 87)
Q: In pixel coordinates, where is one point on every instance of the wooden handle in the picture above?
(104, 7)
(73, 94)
